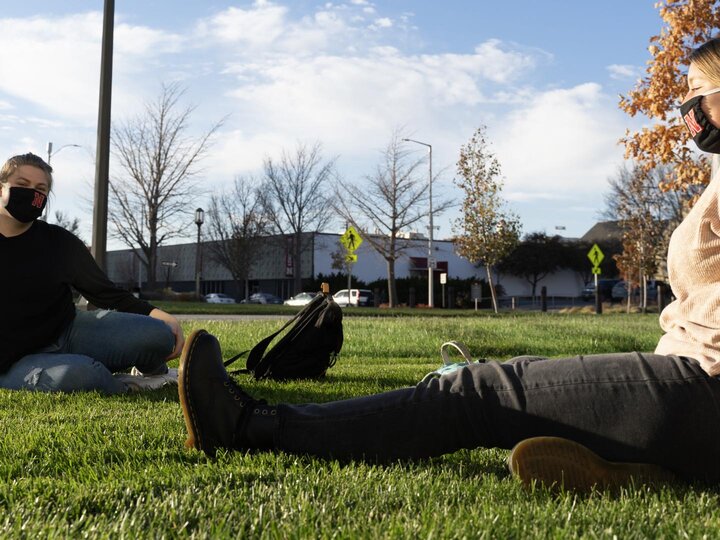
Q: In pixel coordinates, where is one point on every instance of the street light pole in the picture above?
(431, 260)
(199, 219)
(50, 152)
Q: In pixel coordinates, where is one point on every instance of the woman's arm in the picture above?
(92, 283)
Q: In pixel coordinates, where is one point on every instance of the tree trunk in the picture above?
(392, 288)
(152, 265)
(628, 301)
(493, 295)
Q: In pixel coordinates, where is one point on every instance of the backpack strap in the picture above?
(268, 339)
(226, 363)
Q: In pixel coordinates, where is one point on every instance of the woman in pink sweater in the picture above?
(583, 421)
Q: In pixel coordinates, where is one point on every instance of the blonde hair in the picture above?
(32, 160)
(707, 59)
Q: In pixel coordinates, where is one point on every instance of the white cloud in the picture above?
(563, 142)
(141, 41)
(323, 96)
(54, 62)
(256, 27)
(268, 29)
(383, 22)
(624, 71)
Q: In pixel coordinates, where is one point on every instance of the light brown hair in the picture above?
(707, 59)
(32, 160)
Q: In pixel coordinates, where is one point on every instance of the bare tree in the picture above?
(236, 227)
(485, 232)
(388, 202)
(632, 190)
(150, 201)
(294, 199)
(647, 216)
(66, 222)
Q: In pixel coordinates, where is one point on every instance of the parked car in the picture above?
(219, 298)
(604, 285)
(262, 298)
(300, 299)
(619, 291)
(358, 297)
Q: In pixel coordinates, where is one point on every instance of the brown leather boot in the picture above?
(564, 464)
(217, 411)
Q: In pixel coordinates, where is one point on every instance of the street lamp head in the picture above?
(51, 153)
(418, 142)
(199, 216)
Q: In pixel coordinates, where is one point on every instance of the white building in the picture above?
(273, 272)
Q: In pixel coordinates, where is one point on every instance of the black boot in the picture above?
(218, 413)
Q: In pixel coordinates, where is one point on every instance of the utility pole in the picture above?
(102, 163)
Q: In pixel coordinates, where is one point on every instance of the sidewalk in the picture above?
(234, 317)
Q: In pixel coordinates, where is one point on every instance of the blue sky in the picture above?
(544, 77)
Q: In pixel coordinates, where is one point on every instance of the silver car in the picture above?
(219, 298)
(300, 299)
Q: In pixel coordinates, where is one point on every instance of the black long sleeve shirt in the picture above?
(38, 269)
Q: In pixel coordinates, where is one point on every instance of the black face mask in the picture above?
(25, 204)
(705, 135)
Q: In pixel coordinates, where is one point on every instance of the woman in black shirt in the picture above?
(45, 344)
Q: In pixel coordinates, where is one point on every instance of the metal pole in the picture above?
(49, 152)
(348, 266)
(431, 271)
(197, 263)
(102, 163)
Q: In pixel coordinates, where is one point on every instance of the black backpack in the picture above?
(306, 351)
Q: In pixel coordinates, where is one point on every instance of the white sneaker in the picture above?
(137, 382)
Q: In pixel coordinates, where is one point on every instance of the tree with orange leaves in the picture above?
(688, 23)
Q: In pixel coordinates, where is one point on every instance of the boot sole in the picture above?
(564, 464)
(183, 372)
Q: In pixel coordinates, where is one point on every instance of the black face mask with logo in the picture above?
(25, 204)
(705, 135)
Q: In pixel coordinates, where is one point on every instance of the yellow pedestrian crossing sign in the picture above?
(351, 257)
(351, 239)
(596, 256)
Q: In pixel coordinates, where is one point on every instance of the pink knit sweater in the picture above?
(692, 322)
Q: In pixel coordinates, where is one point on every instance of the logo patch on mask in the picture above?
(38, 200)
(691, 123)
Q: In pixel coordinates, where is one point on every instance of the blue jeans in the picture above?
(635, 407)
(94, 346)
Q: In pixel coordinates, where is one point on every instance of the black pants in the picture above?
(626, 407)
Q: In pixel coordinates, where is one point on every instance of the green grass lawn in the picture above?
(83, 465)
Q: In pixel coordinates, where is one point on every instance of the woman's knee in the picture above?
(130, 332)
(156, 337)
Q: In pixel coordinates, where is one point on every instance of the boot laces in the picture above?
(241, 395)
